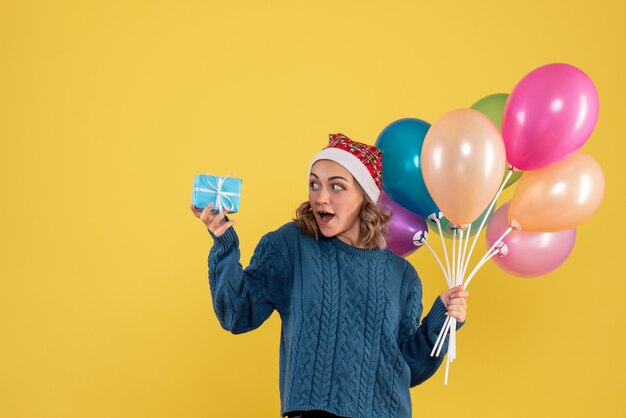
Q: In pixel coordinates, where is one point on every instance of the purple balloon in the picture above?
(550, 114)
(403, 226)
(530, 254)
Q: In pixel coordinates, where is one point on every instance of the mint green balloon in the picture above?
(492, 106)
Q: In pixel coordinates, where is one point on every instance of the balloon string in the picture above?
(445, 324)
(467, 236)
(453, 278)
(446, 329)
(452, 347)
(445, 251)
(452, 323)
(492, 251)
(448, 326)
(445, 274)
(452, 327)
(439, 341)
(458, 264)
(445, 380)
(459, 267)
(493, 202)
(479, 266)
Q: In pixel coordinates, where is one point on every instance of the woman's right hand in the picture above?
(214, 222)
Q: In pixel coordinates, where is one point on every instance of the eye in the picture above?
(313, 185)
(337, 187)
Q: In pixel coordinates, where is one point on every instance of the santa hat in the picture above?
(363, 161)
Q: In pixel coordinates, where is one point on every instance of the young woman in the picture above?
(351, 342)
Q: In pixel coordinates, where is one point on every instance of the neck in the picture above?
(350, 240)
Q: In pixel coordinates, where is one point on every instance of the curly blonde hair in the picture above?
(374, 222)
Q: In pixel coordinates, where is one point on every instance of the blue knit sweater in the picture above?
(351, 340)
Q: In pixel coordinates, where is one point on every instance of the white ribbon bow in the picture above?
(222, 201)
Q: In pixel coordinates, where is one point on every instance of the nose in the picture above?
(322, 196)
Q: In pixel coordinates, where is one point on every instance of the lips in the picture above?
(325, 217)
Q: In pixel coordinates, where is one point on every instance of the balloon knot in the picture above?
(420, 238)
(503, 249)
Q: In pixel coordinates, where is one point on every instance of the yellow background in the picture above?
(107, 111)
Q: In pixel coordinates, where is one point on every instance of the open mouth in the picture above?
(325, 217)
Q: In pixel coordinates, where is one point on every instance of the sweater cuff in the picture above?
(437, 317)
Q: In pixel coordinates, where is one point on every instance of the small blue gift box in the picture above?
(224, 192)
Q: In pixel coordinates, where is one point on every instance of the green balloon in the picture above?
(516, 175)
(492, 106)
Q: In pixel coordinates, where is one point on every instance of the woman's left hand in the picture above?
(455, 300)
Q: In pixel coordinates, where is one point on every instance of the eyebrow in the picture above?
(330, 178)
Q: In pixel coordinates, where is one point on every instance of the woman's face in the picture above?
(336, 201)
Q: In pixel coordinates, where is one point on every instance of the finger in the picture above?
(457, 306)
(457, 312)
(459, 302)
(219, 219)
(206, 213)
(207, 218)
(457, 297)
(208, 208)
(194, 210)
(457, 315)
(216, 220)
(463, 294)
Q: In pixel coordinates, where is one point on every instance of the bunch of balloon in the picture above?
(547, 117)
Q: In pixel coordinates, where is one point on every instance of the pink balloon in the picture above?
(530, 254)
(403, 226)
(550, 114)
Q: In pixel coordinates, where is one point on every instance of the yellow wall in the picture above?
(107, 111)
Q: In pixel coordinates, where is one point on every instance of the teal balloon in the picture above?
(446, 225)
(401, 145)
(492, 106)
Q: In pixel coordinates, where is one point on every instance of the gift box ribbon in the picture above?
(222, 201)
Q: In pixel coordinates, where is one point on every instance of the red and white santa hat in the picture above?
(364, 162)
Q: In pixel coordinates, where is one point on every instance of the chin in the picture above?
(326, 232)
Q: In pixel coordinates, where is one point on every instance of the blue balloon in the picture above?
(401, 145)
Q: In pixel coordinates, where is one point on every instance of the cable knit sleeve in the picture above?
(417, 340)
(244, 298)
